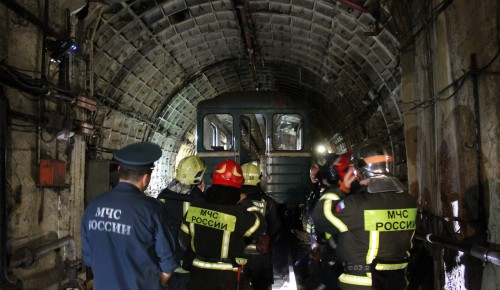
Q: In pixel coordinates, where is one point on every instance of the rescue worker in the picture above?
(327, 270)
(259, 268)
(176, 197)
(325, 177)
(375, 225)
(311, 200)
(124, 239)
(309, 264)
(216, 229)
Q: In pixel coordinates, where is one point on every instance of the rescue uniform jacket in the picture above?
(259, 268)
(336, 195)
(124, 240)
(375, 231)
(256, 199)
(313, 196)
(175, 207)
(216, 233)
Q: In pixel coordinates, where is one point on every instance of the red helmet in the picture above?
(228, 173)
(342, 164)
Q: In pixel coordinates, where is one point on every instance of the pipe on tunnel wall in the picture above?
(25, 257)
(5, 281)
(485, 254)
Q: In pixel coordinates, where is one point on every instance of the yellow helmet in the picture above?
(191, 170)
(251, 174)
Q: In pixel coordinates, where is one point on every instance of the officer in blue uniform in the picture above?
(124, 239)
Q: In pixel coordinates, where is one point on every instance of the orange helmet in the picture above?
(342, 164)
(228, 173)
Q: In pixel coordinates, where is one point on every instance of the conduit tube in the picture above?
(5, 281)
(245, 23)
(25, 257)
(483, 253)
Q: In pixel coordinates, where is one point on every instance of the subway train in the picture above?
(268, 128)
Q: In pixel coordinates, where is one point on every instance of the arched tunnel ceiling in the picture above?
(154, 60)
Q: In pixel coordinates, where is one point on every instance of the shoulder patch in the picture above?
(340, 206)
(261, 205)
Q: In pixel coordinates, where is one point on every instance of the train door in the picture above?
(252, 141)
(245, 143)
(288, 160)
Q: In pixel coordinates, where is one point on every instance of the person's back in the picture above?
(259, 269)
(387, 213)
(217, 228)
(374, 226)
(118, 224)
(176, 199)
(124, 239)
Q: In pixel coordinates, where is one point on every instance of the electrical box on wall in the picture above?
(99, 178)
(52, 173)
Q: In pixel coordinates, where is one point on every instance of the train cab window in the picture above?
(218, 132)
(287, 132)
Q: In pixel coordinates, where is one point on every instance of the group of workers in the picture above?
(188, 237)
(221, 237)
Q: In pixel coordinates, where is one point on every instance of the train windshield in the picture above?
(287, 132)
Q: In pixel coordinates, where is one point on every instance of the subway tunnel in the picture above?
(81, 79)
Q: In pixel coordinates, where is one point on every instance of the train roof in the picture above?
(254, 99)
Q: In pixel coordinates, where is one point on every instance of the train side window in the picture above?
(287, 132)
(218, 132)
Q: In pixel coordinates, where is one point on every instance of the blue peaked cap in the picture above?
(138, 156)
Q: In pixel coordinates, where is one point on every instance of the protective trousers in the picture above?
(207, 279)
(259, 271)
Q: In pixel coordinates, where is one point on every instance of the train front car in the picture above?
(270, 129)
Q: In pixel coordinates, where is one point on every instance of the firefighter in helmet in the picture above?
(375, 225)
(216, 229)
(311, 200)
(187, 186)
(259, 268)
(326, 272)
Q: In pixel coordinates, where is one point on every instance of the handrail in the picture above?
(485, 254)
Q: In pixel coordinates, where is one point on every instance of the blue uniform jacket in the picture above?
(124, 240)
